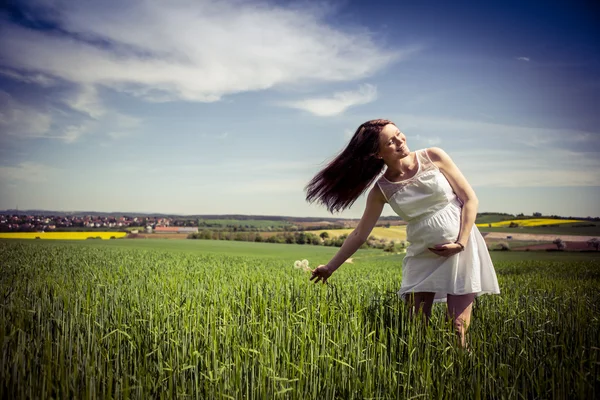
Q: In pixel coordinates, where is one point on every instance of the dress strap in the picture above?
(385, 189)
(425, 162)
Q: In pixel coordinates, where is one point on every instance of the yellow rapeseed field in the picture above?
(395, 233)
(530, 222)
(62, 235)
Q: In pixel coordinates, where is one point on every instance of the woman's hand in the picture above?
(446, 250)
(322, 272)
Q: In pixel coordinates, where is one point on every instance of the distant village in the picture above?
(27, 222)
(41, 223)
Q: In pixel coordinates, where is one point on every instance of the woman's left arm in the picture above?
(461, 187)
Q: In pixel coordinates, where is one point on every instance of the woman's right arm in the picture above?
(373, 209)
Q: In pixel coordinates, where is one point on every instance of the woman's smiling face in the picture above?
(392, 143)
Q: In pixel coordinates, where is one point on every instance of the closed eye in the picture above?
(392, 140)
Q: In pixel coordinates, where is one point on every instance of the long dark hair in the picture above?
(348, 175)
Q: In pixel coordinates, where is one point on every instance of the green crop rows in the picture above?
(116, 322)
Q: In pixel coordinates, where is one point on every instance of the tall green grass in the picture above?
(102, 322)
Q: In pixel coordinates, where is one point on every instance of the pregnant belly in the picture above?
(442, 227)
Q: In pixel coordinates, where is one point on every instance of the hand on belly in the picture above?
(441, 237)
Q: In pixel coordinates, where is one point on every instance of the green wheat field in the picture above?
(231, 320)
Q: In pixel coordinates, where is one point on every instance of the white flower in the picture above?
(305, 266)
(302, 265)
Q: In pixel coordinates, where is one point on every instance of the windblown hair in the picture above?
(346, 177)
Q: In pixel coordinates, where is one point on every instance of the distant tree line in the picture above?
(253, 228)
(305, 238)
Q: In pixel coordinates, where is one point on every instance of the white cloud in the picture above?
(504, 155)
(17, 119)
(28, 121)
(476, 133)
(86, 101)
(27, 172)
(193, 50)
(36, 78)
(253, 166)
(553, 168)
(430, 141)
(523, 58)
(72, 133)
(336, 103)
(122, 125)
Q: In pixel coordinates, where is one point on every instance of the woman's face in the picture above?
(392, 143)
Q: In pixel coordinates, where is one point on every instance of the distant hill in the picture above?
(486, 217)
(239, 217)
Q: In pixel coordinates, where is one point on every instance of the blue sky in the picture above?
(206, 107)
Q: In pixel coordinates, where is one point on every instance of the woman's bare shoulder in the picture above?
(437, 154)
(377, 194)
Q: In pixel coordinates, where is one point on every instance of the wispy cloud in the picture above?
(36, 78)
(430, 141)
(121, 125)
(336, 103)
(31, 172)
(177, 52)
(552, 168)
(83, 116)
(523, 59)
(218, 136)
(254, 166)
(86, 101)
(72, 133)
(482, 133)
(27, 122)
(504, 155)
(20, 120)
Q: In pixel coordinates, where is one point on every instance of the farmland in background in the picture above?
(578, 229)
(72, 235)
(213, 319)
(533, 222)
(493, 244)
(500, 223)
(396, 233)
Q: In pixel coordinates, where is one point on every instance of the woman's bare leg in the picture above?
(420, 302)
(459, 311)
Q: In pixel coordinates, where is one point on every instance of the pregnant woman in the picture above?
(447, 259)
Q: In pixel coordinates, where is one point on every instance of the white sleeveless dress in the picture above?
(433, 213)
